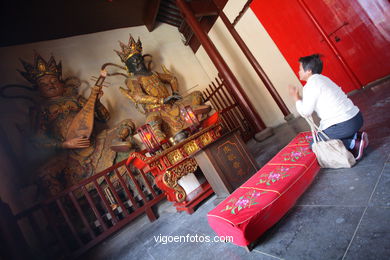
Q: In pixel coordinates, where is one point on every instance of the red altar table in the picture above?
(175, 162)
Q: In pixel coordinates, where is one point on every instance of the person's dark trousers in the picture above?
(346, 130)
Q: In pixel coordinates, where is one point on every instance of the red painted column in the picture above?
(256, 66)
(228, 76)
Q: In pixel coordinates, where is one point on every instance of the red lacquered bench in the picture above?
(261, 201)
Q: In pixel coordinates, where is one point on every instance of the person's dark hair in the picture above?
(312, 62)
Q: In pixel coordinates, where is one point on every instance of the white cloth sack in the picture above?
(330, 153)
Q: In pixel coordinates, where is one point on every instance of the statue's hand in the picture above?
(103, 73)
(78, 142)
(172, 98)
(166, 71)
(98, 91)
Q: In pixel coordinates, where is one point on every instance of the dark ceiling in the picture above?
(25, 21)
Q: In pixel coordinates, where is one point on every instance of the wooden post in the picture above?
(222, 67)
(256, 66)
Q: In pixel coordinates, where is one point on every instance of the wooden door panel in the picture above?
(294, 34)
(360, 32)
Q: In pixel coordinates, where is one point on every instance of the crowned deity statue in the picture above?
(74, 156)
(150, 90)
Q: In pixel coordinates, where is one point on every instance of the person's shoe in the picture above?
(360, 144)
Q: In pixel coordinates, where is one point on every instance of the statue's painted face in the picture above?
(50, 86)
(136, 63)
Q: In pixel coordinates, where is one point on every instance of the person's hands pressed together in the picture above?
(294, 92)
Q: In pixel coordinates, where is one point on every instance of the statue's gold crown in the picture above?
(130, 49)
(40, 68)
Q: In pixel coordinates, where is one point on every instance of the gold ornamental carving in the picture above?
(191, 147)
(172, 176)
(186, 167)
(157, 164)
(206, 139)
(180, 194)
(175, 156)
(139, 156)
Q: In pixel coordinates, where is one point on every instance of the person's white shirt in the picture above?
(322, 95)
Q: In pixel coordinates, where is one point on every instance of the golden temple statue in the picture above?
(149, 89)
(74, 156)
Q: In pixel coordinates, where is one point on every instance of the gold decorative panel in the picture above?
(191, 147)
(206, 138)
(175, 156)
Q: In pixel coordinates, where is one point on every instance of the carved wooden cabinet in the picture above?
(226, 164)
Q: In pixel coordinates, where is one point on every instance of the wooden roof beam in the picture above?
(150, 13)
(203, 8)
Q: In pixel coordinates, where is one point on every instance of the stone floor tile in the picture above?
(312, 232)
(372, 240)
(381, 195)
(343, 187)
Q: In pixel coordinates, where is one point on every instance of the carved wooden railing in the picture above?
(231, 113)
(72, 222)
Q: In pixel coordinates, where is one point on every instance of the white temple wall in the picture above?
(267, 55)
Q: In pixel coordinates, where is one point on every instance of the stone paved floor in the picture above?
(345, 213)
